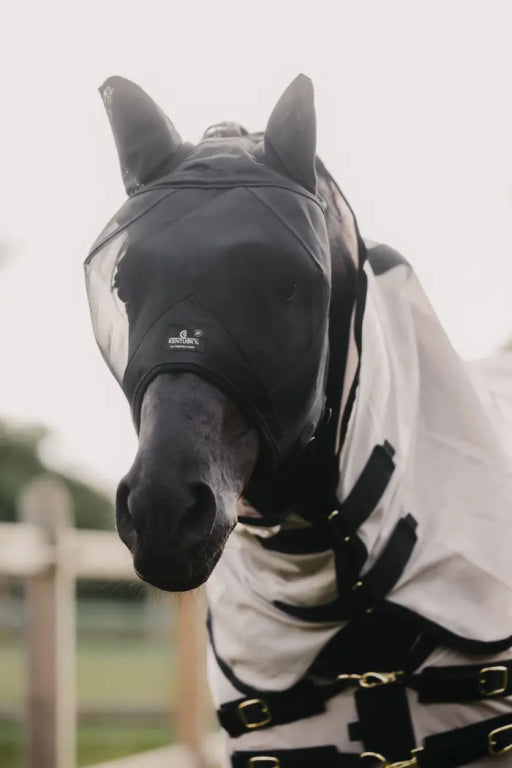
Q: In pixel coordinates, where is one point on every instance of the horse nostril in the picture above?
(161, 516)
(200, 517)
(126, 527)
(205, 506)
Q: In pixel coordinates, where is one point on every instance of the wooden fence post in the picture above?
(50, 632)
(191, 649)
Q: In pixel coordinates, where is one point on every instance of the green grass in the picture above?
(120, 668)
(11, 755)
(96, 743)
(125, 673)
(110, 673)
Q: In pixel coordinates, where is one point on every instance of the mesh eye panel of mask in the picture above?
(229, 282)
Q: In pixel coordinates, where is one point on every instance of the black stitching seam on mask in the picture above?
(232, 183)
(285, 224)
(127, 224)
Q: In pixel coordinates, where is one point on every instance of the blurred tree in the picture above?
(20, 462)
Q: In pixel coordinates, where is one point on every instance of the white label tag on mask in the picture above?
(190, 339)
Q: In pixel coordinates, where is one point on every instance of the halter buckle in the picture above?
(265, 712)
(483, 683)
(492, 745)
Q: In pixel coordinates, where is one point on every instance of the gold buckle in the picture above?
(375, 756)
(272, 761)
(353, 679)
(267, 717)
(482, 681)
(373, 679)
(492, 746)
(411, 763)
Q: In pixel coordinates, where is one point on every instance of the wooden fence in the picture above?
(50, 554)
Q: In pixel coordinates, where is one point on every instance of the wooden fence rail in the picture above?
(49, 554)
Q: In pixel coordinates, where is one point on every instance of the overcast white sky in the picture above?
(414, 119)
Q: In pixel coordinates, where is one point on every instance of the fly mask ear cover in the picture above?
(227, 276)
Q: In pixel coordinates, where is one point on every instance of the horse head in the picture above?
(209, 293)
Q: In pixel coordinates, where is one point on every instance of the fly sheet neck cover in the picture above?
(218, 263)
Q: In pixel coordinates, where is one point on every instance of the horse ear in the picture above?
(290, 135)
(146, 140)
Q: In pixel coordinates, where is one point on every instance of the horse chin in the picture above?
(175, 571)
(176, 587)
(172, 582)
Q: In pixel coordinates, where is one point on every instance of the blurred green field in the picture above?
(125, 681)
(96, 743)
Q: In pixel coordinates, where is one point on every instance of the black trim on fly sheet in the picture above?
(382, 258)
(358, 332)
(223, 666)
(442, 635)
(372, 641)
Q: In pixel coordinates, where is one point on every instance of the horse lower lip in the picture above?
(171, 577)
(174, 586)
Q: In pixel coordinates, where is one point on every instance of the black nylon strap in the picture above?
(385, 724)
(372, 587)
(384, 574)
(299, 541)
(344, 521)
(310, 757)
(465, 745)
(367, 491)
(463, 683)
(264, 709)
(349, 557)
(450, 749)
(333, 611)
(269, 708)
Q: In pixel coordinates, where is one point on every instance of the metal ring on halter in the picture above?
(411, 763)
(375, 756)
(373, 679)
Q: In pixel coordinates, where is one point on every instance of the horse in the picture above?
(310, 445)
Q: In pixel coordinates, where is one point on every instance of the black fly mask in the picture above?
(218, 263)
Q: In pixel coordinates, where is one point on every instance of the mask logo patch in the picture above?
(189, 339)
